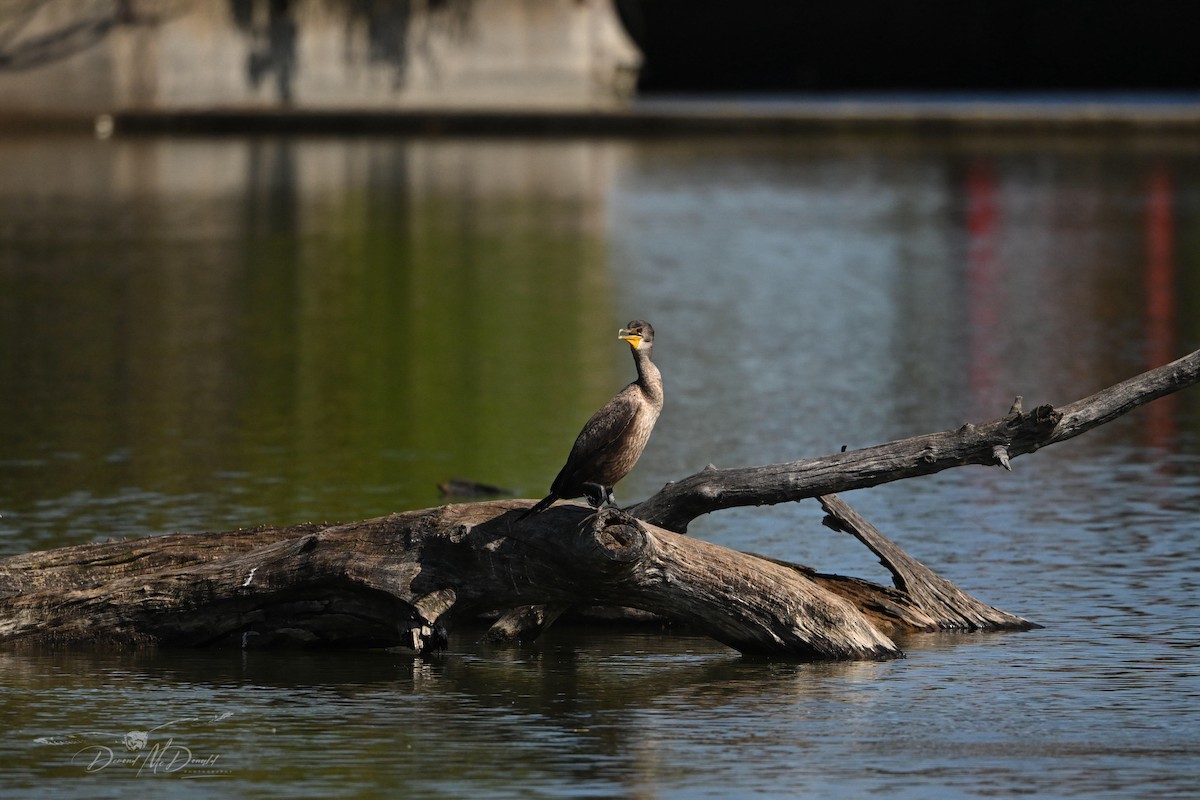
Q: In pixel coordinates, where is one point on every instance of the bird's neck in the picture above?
(649, 378)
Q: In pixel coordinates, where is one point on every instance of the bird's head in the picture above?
(639, 334)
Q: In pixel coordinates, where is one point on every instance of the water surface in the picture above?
(210, 334)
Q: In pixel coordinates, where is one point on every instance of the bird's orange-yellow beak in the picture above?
(634, 339)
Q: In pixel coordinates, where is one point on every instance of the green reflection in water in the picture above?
(300, 329)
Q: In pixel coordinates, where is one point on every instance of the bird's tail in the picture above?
(541, 506)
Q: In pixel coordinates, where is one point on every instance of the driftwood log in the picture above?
(404, 578)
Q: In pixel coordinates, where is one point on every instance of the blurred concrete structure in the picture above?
(73, 57)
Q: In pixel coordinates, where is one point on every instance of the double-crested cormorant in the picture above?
(613, 439)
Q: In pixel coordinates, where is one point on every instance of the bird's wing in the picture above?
(604, 428)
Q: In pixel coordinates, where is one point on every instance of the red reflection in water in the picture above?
(984, 277)
(1159, 331)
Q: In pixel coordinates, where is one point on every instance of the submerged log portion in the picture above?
(404, 578)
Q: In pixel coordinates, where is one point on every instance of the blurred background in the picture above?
(97, 56)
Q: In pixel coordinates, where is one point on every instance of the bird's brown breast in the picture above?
(616, 461)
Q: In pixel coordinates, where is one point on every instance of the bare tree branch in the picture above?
(993, 443)
(950, 607)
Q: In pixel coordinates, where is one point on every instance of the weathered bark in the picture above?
(993, 443)
(401, 579)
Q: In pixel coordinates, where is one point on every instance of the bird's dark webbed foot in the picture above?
(599, 496)
(607, 511)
